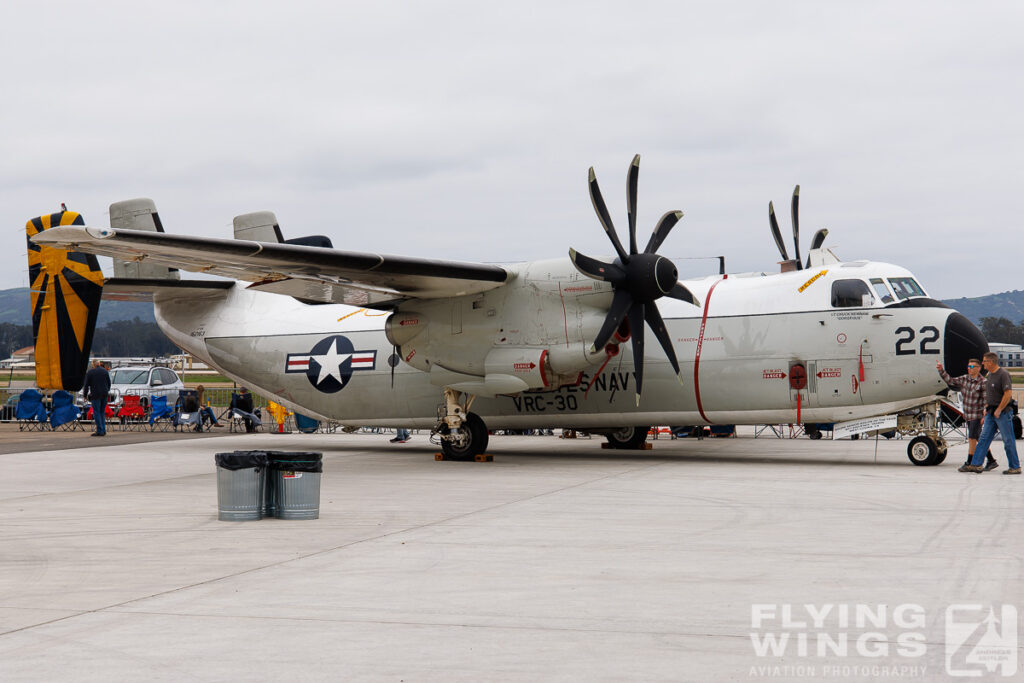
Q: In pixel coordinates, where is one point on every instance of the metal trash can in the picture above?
(295, 484)
(241, 479)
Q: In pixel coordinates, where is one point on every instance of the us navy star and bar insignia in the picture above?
(330, 363)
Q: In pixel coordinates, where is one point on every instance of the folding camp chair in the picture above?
(131, 413)
(187, 414)
(241, 414)
(64, 413)
(161, 415)
(30, 412)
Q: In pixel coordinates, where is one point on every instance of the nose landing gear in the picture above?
(927, 448)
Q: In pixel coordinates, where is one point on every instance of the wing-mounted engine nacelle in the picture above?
(505, 369)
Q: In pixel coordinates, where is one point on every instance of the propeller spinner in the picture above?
(638, 279)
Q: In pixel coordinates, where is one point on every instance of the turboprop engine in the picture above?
(465, 344)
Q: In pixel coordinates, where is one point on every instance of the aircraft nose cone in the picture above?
(963, 341)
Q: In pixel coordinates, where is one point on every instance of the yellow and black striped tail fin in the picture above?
(65, 288)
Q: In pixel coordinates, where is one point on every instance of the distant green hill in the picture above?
(14, 308)
(1009, 305)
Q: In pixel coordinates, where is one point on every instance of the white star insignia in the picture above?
(330, 363)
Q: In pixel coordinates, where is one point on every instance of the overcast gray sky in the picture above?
(464, 130)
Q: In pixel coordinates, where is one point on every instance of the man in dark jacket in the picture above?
(97, 386)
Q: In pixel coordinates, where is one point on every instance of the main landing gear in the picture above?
(463, 434)
(628, 438)
(927, 448)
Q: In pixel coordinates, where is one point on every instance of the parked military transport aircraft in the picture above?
(368, 339)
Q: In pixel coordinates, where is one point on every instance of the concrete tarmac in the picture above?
(557, 561)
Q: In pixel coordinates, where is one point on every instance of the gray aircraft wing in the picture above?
(309, 273)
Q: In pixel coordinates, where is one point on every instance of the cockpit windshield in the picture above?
(905, 287)
(881, 290)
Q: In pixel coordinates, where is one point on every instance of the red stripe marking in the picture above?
(700, 344)
(565, 318)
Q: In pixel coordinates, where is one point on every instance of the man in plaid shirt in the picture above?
(972, 391)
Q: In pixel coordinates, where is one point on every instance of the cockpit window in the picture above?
(905, 287)
(851, 294)
(881, 290)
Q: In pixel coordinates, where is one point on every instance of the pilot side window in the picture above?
(881, 290)
(851, 294)
(905, 287)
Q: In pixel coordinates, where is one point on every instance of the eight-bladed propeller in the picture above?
(816, 241)
(637, 278)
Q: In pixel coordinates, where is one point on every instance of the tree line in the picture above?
(116, 338)
(1003, 330)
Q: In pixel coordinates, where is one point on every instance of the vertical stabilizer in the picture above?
(65, 288)
(139, 214)
(259, 226)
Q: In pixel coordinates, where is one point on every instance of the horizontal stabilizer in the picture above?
(145, 289)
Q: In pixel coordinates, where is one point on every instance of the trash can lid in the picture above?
(240, 460)
(296, 461)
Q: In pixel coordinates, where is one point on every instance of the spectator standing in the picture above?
(97, 387)
(972, 390)
(998, 393)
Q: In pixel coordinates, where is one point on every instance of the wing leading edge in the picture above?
(309, 273)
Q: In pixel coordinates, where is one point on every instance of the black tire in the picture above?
(814, 434)
(1017, 427)
(628, 438)
(922, 451)
(474, 445)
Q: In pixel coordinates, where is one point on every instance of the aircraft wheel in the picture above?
(814, 434)
(629, 438)
(1018, 428)
(475, 443)
(923, 451)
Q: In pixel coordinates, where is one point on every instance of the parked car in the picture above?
(7, 409)
(144, 381)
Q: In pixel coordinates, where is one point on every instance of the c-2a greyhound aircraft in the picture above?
(460, 348)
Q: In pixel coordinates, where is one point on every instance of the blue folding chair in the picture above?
(30, 412)
(161, 415)
(242, 415)
(186, 411)
(306, 425)
(64, 413)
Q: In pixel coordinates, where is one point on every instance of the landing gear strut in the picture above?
(927, 448)
(463, 434)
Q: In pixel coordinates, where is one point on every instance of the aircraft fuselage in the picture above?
(738, 352)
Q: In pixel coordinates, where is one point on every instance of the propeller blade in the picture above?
(621, 302)
(606, 220)
(683, 294)
(776, 233)
(662, 229)
(631, 181)
(599, 270)
(636, 335)
(653, 318)
(796, 227)
(816, 242)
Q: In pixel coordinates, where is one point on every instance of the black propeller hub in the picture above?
(650, 277)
